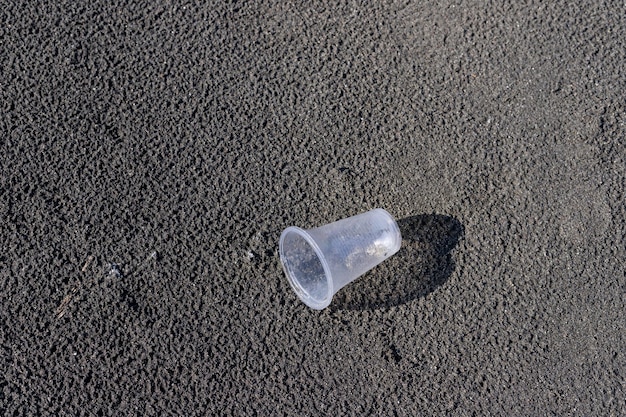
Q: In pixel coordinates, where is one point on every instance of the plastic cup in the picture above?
(319, 262)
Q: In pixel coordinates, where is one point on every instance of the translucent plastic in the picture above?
(319, 262)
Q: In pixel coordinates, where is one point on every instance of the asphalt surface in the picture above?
(152, 153)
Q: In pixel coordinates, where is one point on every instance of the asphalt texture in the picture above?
(152, 152)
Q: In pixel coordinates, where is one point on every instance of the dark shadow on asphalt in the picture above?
(423, 263)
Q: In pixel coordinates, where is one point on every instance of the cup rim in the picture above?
(316, 304)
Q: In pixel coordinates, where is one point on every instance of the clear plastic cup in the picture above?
(319, 262)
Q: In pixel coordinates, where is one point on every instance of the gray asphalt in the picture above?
(151, 153)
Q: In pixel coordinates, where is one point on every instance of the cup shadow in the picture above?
(423, 263)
